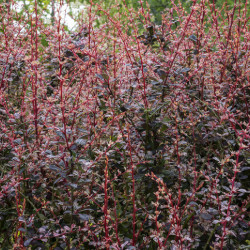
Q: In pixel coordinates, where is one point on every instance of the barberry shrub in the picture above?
(126, 134)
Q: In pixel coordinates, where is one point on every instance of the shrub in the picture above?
(121, 138)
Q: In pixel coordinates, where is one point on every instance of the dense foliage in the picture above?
(116, 137)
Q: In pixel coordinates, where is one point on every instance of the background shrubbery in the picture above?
(126, 134)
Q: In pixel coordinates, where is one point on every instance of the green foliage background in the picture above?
(157, 7)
